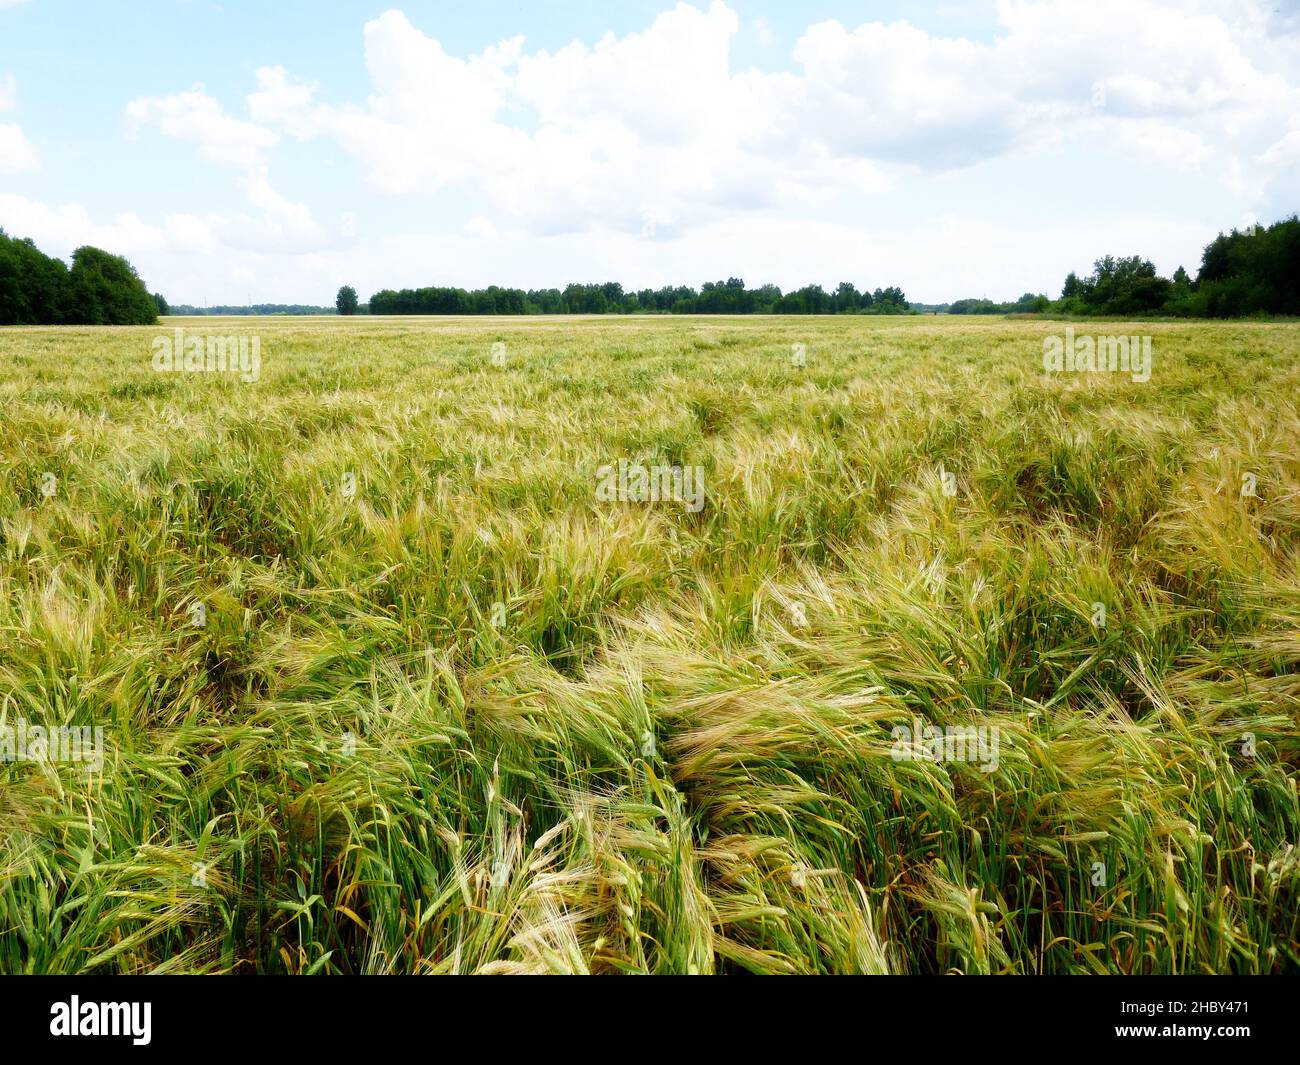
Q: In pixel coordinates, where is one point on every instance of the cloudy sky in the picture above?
(270, 152)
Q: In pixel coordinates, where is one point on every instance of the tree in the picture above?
(889, 300)
(346, 301)
(33, 286)
(1119, 286)
(100, 289)
(104, 289)
(1253, 271)
(161, 304)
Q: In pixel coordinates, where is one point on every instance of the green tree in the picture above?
(346, 300)
(104, 289)
(33, 286)
(1252, 271)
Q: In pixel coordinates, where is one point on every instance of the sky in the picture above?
(270, 152)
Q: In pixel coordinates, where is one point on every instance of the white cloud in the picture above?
(483, 228)
(59, 230)
(1284, 152)
(186, 255)
(895, 91)
(653, 124)
(1157, 143)
(196, 116)
(17, 153)
(658, 123)
(279, 224)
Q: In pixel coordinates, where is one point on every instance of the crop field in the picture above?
(650, 644)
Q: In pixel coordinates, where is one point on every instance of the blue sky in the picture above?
(272, 152)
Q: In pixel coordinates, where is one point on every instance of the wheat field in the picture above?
(386, 683)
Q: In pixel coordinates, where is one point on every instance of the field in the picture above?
(388, 684)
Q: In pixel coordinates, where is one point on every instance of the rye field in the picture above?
(931, 662)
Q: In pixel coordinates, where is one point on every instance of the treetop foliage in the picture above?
(713, 297)
(1255, 271)
(99, 289)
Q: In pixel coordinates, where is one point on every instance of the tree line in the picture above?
(1029, 303)
(713, 297)
(99, 288)
(249, 309)
(1253, 271)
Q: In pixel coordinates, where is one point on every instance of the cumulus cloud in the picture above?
(63, 228)
(898, 92)
(650, 126)
(185, 255)
(17, 153)
(194, 116)
(659, 125)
